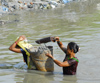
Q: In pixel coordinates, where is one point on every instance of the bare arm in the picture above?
(14, 49)
(59, 63)
(61, 45)
(13, 46)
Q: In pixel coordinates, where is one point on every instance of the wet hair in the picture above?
(74, 46)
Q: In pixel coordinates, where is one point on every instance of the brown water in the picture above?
(77, 21)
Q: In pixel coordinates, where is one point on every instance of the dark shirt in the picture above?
(71, 70)
(24, 55)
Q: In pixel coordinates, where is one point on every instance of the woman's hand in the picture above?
(21, 38)
(57, 38)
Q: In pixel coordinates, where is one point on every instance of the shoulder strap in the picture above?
(74, 59)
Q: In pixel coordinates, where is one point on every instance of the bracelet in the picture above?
(16, 43)
(58, 41)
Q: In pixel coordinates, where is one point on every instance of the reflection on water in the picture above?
(37, 77)
(77, 21)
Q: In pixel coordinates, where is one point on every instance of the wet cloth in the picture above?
(31, 63)
(24, 55)
(71, 70)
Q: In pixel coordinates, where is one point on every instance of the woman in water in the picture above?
(70, 62)
(17, 49)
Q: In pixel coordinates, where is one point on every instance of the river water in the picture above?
(77, 21)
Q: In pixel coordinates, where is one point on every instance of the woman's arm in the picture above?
(61, 45)
(59, 63)
(13, 46)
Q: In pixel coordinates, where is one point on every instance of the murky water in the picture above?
(77, 21)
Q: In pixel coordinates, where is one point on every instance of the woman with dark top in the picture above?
(70, 62)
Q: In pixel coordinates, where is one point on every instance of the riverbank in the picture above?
(9, 6)
(15, 6)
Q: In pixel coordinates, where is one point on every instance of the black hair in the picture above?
(74, 46)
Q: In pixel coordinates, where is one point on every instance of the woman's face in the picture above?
(69, 52)
(67, 47)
